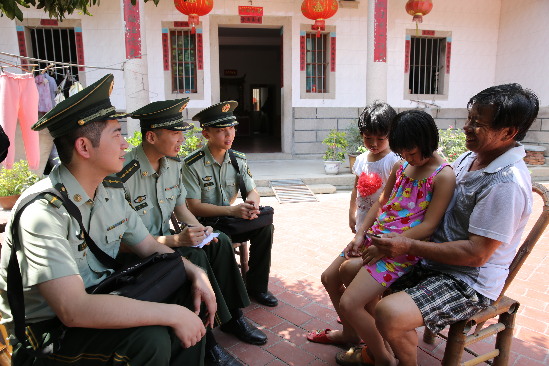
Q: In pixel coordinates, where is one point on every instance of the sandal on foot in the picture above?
(321, 336)
(356, 356)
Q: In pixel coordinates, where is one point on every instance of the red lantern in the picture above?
(319, 11)
(194, 9)
(418, 8)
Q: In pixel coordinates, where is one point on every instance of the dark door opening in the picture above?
(250, 73)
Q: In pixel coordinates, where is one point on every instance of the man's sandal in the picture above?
(356, 356)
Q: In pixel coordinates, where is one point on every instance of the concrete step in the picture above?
(539, 172)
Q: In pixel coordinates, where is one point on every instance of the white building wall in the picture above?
(479, 58)
(523, 46)
(474, 25)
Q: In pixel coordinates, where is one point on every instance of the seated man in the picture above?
(465, 267)
(57, 265)
(152, 179)
(212, 187)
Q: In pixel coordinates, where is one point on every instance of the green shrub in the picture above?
(336, 145)
(451, 143)
(193, 140)
(16, 180)
(354, 140)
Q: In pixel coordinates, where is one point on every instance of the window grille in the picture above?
(55, 44)
(316, 65)
(183, 57)
(427, 57)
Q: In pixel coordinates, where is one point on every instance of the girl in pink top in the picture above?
(413, 202)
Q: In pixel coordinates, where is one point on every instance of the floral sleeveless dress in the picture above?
(405, 209)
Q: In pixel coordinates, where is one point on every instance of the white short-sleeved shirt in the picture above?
(494, 202)
(382, 168)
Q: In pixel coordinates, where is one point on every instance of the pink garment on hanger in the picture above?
(19, 99)
(44, 95)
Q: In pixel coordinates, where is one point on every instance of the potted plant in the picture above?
(336, 145)
(355, 144)
(451, 143)
(14, 181)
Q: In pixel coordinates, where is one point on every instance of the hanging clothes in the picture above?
(44, 95)
(53, 87)
(60, 95)
(19, 99)
(75, 88)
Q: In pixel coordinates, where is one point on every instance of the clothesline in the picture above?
(60, 63)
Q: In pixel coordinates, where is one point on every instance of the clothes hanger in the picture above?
(43, 71)
(23, 67)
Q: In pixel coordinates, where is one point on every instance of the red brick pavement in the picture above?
(308, 237)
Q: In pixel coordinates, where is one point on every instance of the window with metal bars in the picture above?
(55, 44)
(427, 63)
(316, 63)
(183, 61)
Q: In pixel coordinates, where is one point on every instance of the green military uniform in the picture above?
(154, 195)
(207, 180)
(52, 246)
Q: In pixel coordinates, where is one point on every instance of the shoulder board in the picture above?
(113, 182)
(191, 159)
(53, 200)
(174, 158)
(128, 170)
(240, 155)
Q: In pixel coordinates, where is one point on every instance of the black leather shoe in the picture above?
(218, 356)
(245, 331)
(264, 298)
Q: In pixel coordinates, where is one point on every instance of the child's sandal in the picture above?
(321, 336)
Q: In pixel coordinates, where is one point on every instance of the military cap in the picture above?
(218, 115)
(88, 105)
(164, 114)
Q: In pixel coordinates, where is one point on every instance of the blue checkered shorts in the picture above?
(441, 298)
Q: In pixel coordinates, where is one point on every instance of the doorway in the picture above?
(250, 73)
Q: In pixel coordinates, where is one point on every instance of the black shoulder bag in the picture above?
(154, 278)
(236, 225)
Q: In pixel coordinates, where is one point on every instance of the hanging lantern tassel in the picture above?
(418, 18)
(417, 9)
(319, 26)
(193, 22)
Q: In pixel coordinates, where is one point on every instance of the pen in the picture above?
(187, 225)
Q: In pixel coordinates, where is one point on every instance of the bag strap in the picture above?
(241, 184)
(14, 278)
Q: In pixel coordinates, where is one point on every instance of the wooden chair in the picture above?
(460, 335)
(240, 249)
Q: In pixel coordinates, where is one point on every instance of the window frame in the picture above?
(444, 75)
(186, 47)
(169, 75)
(36, 23)
(329, 93)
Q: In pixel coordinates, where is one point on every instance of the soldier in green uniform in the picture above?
(152, 179)
(57, 266)
(212, 186)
